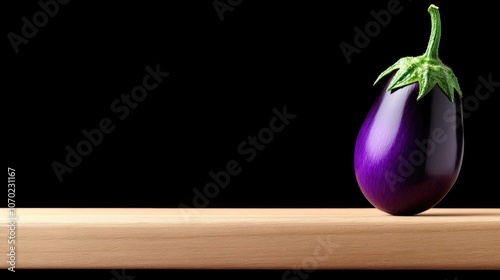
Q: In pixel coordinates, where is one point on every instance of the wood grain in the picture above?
(253, 239)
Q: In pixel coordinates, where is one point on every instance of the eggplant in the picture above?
(409, 149)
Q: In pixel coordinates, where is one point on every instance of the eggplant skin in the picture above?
(408, 153)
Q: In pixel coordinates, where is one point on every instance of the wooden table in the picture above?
(253, 238)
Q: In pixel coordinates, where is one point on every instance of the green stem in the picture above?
(428, 70)
(433, 45)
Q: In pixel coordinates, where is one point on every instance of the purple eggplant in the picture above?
(409, 149)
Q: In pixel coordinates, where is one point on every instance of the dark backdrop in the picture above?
(228, 71)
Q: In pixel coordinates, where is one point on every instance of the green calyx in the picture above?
(427, 69)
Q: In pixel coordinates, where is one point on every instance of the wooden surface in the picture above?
(254, 239)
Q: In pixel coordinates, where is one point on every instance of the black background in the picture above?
(225, 79)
